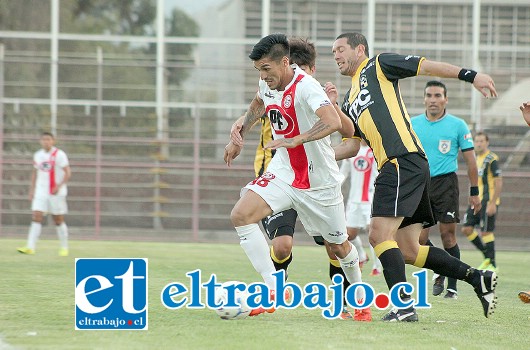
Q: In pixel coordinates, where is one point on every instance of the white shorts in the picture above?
(55, 205)
(320, 211)
(358, 214)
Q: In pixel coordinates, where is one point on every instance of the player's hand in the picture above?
(525, 109)
(231, 152)
(287, 143)
(331, 91)
(491, 209)
(484, 83)
(235, 135)
(475, 204)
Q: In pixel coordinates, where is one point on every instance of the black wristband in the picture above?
(473, 191)
(467, 75)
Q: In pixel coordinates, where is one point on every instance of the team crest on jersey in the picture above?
(444, 146)
(287, 101)
(361, 163)
(363, 82)
(45, 166)
(281, 122)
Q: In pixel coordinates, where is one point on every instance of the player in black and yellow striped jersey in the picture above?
(401, 199)
(263, 156)
(490, 187)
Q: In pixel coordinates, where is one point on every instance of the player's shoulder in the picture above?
(454, 119)
(416, 119)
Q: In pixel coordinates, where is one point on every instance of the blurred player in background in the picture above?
(401, 205)
(362, 170)
(490, 187)
(48, 190)
(303, 174)
(280, 226)
(442, 135)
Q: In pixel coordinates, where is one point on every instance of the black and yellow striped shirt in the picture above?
(263, 156)
(375, 105)
(488, 170)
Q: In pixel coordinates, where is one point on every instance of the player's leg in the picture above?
(448, 235)
(280, 229)
(248, 211)
(39, 206)
(59, 209)
(354, 221)
(336, 269)
(488, 238)
(472, 220)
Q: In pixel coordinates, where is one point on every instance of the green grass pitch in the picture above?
(37, 305)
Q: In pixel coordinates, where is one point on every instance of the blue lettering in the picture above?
(422, 290)
(171, 290)
(195, 300)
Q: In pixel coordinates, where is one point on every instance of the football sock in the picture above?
(255, 246)
(454, 251)
(429, 243)
(477, 242)
(281, 264)
(62, 233)
(360, 250)
(33, 234)
(352, 271)
(335, 269)
(489, 251)
(392, 262)
(442, 263)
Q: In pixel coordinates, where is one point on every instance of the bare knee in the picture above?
(467, 230)
(36, 216)
(282, 247)
(58, 219)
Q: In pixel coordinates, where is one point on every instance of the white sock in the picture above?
(359, 245)
(62, 233)
(255, 246)
(350, 266)
(377, 263)
(33, 234)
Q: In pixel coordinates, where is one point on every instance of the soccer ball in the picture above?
(231, 313)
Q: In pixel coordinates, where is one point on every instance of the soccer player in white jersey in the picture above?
(362, 170)
(303, 174)
(51, 172)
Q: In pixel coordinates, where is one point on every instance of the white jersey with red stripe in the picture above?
(50, 171)
(362, 170)
(312, 165)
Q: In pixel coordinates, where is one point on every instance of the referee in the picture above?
(442, 136)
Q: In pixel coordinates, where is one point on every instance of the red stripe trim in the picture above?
(52, 170)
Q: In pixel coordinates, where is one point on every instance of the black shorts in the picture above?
(482, 220)
(280, 224)
(444, 198)
(402, 190)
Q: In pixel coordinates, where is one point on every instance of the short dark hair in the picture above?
(274, 46)
(302, 52)
(482, 133)
(46, 133)
(355, 39)
(436, 83)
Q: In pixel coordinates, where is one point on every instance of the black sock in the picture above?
(429, 243)
(454, 251)
(334, 270)
(393, 267)
(282, 265)
(490, 252)
(444, 264)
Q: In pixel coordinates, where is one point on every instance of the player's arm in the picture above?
(525, 109)
(347, 148)
(472, 174)
(255, 110)
(67, 175)
(482, 82)
(236, 128)
(32, 184)
(328, 122)
(347, 129)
